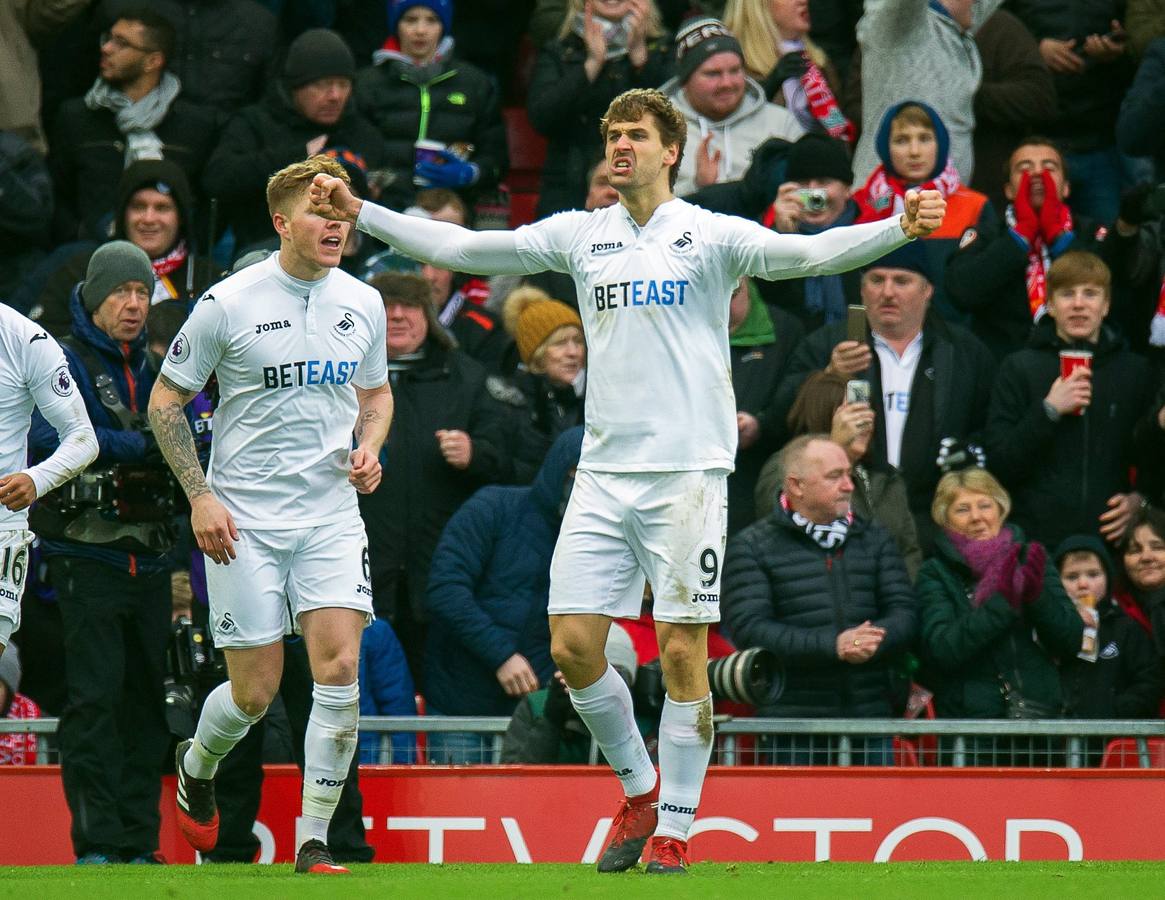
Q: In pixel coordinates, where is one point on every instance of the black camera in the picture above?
(754, 676)
(192, 667)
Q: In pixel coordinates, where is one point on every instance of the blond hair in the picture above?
(287, 185)
(760, 39)
(978, 481)
(574, 7)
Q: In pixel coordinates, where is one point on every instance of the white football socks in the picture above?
(606, 709)
(685, 746)
(327, 748)
(220, 726)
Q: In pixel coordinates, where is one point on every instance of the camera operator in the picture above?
(828, 595)
(105, 536)
(814, 197)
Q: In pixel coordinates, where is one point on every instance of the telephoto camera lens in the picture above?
(752, 676)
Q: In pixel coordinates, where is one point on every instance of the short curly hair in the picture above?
(633, 105)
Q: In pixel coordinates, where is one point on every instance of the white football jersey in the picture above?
(654, 305)
(288, 354)
(33, 372)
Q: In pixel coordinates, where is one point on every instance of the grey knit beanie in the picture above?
(111, 266)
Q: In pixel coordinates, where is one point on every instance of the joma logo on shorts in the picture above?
(272, 326)
(671, 807)
(705, 598)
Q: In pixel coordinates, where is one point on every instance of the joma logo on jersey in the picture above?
(308, 373)
(607, 247)
(666, 292)
(272, 326)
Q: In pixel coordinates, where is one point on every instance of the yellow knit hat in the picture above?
(531, 316)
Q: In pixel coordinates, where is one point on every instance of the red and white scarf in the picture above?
(164, 266)
(883, 194)
(823, 106)
(1039, 260)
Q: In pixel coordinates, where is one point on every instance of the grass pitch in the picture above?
(835, 881)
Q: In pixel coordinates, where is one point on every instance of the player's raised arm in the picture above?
(438, 243)
(841, 249)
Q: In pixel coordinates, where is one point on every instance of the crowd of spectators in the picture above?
(970, 520)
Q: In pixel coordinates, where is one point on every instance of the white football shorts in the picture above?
(13, 574)
(277, 575)
(622, 528)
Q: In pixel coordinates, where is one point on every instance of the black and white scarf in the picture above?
(829, 536)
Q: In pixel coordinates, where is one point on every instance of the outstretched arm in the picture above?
(841, 249)
(438, 243)
(214, 528)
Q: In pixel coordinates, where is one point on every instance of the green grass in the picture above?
(836, 881)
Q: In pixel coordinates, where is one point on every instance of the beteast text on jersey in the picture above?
(666, 292)
(309, 372)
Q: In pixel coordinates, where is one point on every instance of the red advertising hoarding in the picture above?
(561, 814)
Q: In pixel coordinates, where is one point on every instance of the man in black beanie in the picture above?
(305, 112)
(110, 568)
(814, 197)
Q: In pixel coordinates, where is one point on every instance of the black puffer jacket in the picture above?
(263, 138)
(566, 108)
(420, 491)
(783, 592)
(88, 157)
(225, 51)
(1061, 474)
(449, 101)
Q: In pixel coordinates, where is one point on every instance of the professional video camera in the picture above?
(123, 507)
(193, 667)
(754, 676)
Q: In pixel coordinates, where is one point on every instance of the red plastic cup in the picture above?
(1070, 361)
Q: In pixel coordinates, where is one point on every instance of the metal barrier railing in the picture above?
(1071, 743)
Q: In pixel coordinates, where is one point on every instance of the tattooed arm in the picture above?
(371, 429)
(214, 528)
(172, 432)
